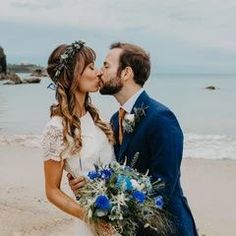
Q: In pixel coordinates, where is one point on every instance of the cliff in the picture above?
(3, 61)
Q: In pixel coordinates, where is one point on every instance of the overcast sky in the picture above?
(181, 35)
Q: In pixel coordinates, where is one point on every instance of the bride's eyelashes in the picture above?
(91, 66)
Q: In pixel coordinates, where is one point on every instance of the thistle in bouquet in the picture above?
(123, 198)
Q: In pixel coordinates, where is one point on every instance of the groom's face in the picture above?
(111, 83)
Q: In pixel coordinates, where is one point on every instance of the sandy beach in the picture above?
(24, 210)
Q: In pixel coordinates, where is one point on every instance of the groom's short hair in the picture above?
(135, 57)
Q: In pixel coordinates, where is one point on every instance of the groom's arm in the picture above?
(166, 147)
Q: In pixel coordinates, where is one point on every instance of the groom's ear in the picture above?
(127, 73)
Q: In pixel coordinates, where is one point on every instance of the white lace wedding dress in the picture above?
(95, 148)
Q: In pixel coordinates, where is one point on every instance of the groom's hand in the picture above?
(76, 183)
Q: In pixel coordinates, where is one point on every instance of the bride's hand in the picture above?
(76, 183)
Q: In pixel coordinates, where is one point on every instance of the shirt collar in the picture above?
(131, 101)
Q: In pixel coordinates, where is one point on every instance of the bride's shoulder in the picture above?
(55, 121)
(52, 139)
(54, 127)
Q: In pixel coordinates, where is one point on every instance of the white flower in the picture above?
(142, 186)
(57, 73)
(101, 213)
(136, 185)
(129, 117)
(122, 199)
(64, 56)
(129, 123)
(131, 120)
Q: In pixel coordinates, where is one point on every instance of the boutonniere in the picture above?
(131, 120)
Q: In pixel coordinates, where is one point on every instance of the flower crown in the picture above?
(67, 57)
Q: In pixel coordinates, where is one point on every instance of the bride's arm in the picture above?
(53, 174)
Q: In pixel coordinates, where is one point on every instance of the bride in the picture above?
(75, 137)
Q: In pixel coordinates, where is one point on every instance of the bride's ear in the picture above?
(127, 73)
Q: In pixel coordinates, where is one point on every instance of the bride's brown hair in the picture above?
(66, 83)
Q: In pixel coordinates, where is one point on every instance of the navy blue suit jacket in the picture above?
(159, 140)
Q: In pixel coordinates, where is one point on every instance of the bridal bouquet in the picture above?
(119, 195)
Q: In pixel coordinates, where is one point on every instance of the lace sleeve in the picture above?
(52, 143)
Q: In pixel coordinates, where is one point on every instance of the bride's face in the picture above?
(89, 81)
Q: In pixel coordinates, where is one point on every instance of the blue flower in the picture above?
(159, 202)
(103, 202)
(139, 196)
(124, 183)
(129, 185)
(93, 174)
(106, 173)
(119, 181)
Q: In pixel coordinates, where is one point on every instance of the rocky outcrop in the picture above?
(2, 76)
(12, 78)
(39, 73)
(31, 81)
(3, 61)
(9, 82)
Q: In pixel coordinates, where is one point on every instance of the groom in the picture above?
(153, 132)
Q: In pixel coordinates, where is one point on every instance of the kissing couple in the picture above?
(75, 137)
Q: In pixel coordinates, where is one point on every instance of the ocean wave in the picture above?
(216, 147)
(210, 146)
(26, 140)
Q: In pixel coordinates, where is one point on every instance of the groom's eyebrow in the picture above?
(105, 63)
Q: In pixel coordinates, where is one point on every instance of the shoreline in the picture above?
(196, 146)
(208, 186)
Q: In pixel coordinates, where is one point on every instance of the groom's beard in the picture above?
(111, 87)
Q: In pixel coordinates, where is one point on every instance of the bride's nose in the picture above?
(99, 73)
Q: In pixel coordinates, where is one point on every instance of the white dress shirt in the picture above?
(131, 101)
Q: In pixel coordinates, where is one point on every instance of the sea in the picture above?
(207, 117)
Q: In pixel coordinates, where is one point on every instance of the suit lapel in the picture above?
(115, 128)
(115, 124)
(123, 146)
(128, 136)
